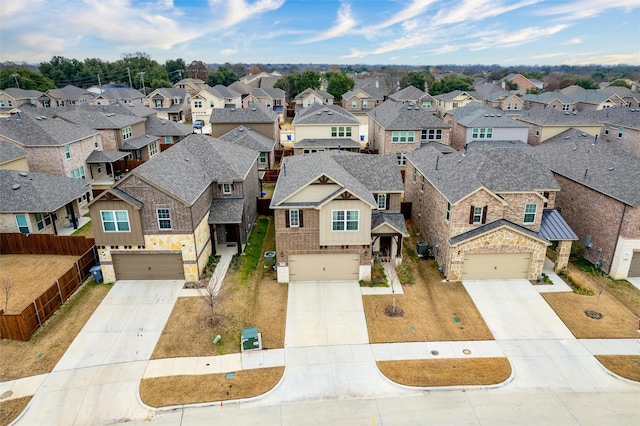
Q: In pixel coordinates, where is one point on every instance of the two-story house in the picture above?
(477, 121)
(334, 212)
(219, 96)
(519, 82)
(413, 95)
(170, 104)
(258, 117)
(545, 123)
(621, 126)
(632, 98)
(496, 97)
(11, 98)
(397, 128)
(309, 97)
(599, 197)
(270, 97)
(164, 218)
(119, 95)
(455, 99)
(553, 100)
(191, 85)
(66, 96)
(325, 127)
(594, 99)
(249, 138)
(488, 212)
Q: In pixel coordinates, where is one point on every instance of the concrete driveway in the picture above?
(100, 372)
(325, 313)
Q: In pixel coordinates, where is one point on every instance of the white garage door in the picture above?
(496, 266)
(323, 267)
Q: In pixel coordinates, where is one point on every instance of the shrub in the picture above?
(405, 274)
(577, 251)
(577, 288)
(378, 277)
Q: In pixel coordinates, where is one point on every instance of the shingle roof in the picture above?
(226, 210)
(172, 92)
(121, 93)
(554, 117)
(125, 196)
(68, 92)
(189, 167)
(220, 91)
(396, 220)
(476, 114)
(257, 113)
(327, 143)
(590, 96)
(609, 169)
(37, 192)
(490, 92)
(9, 152)
(553, 227)
(17, 93)
(97, 157)
(324, 114)
(397, 116)
(320, 93)
(452, 95)
(378, 173)
(241, 87)
(160, 127)
(249, 138)
(547, 97)
(409, 93)
(476, 232)
(496, 168)
(32, 131)
(369, 89)
(621, 116)
(138, 142)
(96, 118)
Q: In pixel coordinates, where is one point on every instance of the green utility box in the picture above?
(250, 339)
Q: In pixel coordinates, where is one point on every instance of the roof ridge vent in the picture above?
(23, 174)
(233, 109)
(15, 186)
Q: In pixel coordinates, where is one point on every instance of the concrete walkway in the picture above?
(226, 254)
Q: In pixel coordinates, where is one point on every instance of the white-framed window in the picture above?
(294, 218)
(515, 105)
(620, 132)
(340, 131)
(606, 129)
(554, 106)
(365, 104)
(537, 130)
(21, 222)
(431, 134)
(482, 133)
(530, 213)
(197, 104)
(426, 105)
(402, 136)
(448, 211)
(153, 148)
(227, 188)
(1, 103)
(382, 201)
(212, 103)
(158, 103)
(268, 103)
(164, 218)
(263, 157)
(477, 214)
(115, 221)
(565, 107)
(455, 105)
(415, 174)
(402, 160)
(127, 133)
(508, 106)
(67, 152)
(422, 184)
(78, 173)
(308, 102)
(345, 220)
(168, 139)
(176, 101)
(95, 141)
(354, 104)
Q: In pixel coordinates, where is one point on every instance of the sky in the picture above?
(396, 32)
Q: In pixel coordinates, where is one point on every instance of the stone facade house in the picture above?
(324, 127)
(545, 123)
(455, 99)
(219, 96)
(334, 212)
(599, 198)
(486, 213)
(170, 104)
(164, 218)
(258, 117)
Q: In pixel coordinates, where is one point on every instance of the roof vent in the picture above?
(575, 112)
(15, 186)
(330, 113)
(325, 109)
(253, 109)
(498, 115)
(492, 115)
(584, 135)
(567, 137)
(416, 108)
(319, 113)
(186, 159)
(486, 115)
(610, 169)
(23, 174)
(409, 108)
(566, 113)
(233, 109)
(147, 136)
(241, 129)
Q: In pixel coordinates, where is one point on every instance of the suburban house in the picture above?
(38, 203)
(309, 97)
(519, 82)
(249, 138)
(258, 117)
(170, 104)
(629, 96)
(553, 100)
(362, 99)
(594, 99)
(325, 127)
(66, 96)
(487, 213)
(455, 99)
(496, 97)
(262, 79)
(169, 132)
(119, 95)
(411, 94)
(334, 212)
(12, 157)
(476, 121)
(203, 102)
(164, 218)
(396, 128)
(621, 126)
(191, 85)
(11, 98)
(599, 198)
(273, 98)
(545, 123)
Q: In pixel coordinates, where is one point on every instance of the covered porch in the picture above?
(102, 169)
(226, 224)
(555, 229)
(387, 232)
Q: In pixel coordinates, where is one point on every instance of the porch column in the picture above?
(564, 251)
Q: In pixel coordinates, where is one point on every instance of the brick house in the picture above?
(164, 218)
(594, 99)
(362, 99)
(66, 96)
(191, 85)
(324, 127)
(119, 95)
(258, 117)
(170, 104)
(270, 97)
(553, 100)
(334, 212)
(496, 97)
(12, 98)
(309, 97)
(519, 82)
(249, 138)
(477, 121)
(396, 128)
(621, 126)
(545, 123)
(599, 197)
(219, 96)
(411, 94)
(487, 213)
(455, 99)
(631, 97)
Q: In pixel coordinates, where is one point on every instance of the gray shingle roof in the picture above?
(327, 143)
(138, 142)
(451, 95)
(257, 113)
(121, 93)
(324, 114)
(609, 169)
(476, 232)
(226, 210)
(188, 168)
(496, 168)
(476, 114)
(9, 152)
(490, 92)
(371, 91)
(249, 138)
(30, 130)
(554, 117)
(621, 116)
(547, 97)
(220, 91)
(96, 118)
(97, 157)
(38, 192)
(397, 116)
(17, 93)
(241, 87)
(160, 127)
(553, 227)
(379, 173)
(591, 96)
(69, 93)
(396, 220)
(409, 93)
(321, 93)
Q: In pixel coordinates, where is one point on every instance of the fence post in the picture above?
(59, 291)
(79, 272)
(37, 314)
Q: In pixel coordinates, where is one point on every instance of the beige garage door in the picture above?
(140, 266)
(496, 266)
(323, 267)
(634, 269)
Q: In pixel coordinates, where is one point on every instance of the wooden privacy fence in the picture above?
(22, 325)
(280, 153)
(263, 207)
(17, 243)
(270, 176)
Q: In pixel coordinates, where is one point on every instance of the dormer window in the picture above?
(176, 101)
(227, 188)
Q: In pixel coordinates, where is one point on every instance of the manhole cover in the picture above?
(435, 353)
(466, 351)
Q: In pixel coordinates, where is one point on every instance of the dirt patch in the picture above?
(10, 410)
(47, 345)
(627, 366)
(30, 275)
(178, 390)
(447, 372)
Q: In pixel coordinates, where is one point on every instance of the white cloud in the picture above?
(574, 40)
(511, 39)
(415, 8)
(344, 24)
(228, 52)
(581, 9)
(615, 59)
(241, 10)
(475, 10)
(447, 48)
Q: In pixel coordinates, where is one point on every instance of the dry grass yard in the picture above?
(627, 366)
(10, 410)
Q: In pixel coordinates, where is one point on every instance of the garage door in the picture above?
(141, 266)
(323, 267)
(634, 269)
(496, 266)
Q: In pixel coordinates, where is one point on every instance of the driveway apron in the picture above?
(96, 381)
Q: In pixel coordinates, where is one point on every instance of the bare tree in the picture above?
(6, 289)
(211, 295)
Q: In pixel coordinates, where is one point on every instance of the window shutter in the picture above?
(301, 223)
(286, 218)
(484, 214)
(471, 214)
(386, 202)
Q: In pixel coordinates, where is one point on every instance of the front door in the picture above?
(385, 248)
(231, 233)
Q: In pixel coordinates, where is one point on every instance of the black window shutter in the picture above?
(301, 224)
(471, 214)
(286, 218)
(386, 202)
(484, 214)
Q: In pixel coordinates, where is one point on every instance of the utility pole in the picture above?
(180, 71)
(15, 76)
(129, 74)
(99, 84)
(141, 74)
